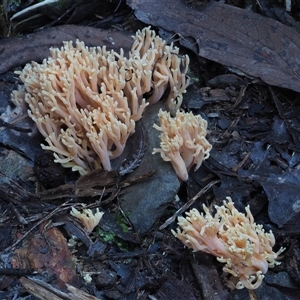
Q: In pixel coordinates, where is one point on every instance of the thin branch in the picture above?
(188, 204)
(60, 208)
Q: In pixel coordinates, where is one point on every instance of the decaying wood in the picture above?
(45, 291)
(89, 185)
(12, 192)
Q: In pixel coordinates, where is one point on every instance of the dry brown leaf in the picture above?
(256, 45)
(18, 51)
(47, 251)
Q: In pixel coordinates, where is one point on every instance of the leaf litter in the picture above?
(254, 130)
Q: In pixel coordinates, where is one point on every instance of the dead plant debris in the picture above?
(244, 82)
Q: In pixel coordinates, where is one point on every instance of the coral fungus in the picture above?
(85, 101)
(183, 141)
(88, 219)
(234, 238)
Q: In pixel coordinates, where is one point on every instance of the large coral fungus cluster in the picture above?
(183, 141)
(234, 238)
(85, 101)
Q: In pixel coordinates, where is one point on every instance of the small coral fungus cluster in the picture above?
(183, 141)
(85, 101)
(234, 238)
(88, 219)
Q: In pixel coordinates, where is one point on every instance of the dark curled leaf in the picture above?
(257, 45)
(17, 51)
(137, 157)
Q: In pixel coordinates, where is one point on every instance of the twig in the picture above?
(14, 127)
(188, 204)
(47, 217)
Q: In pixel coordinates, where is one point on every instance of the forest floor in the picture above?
(244, 70)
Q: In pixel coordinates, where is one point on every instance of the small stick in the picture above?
(188, 204)
(60, 208)
(14, 127)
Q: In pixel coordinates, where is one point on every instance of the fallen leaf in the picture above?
(256, 45)
(281, 187)
(47, 251)
(18, 51)
(172, 289)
